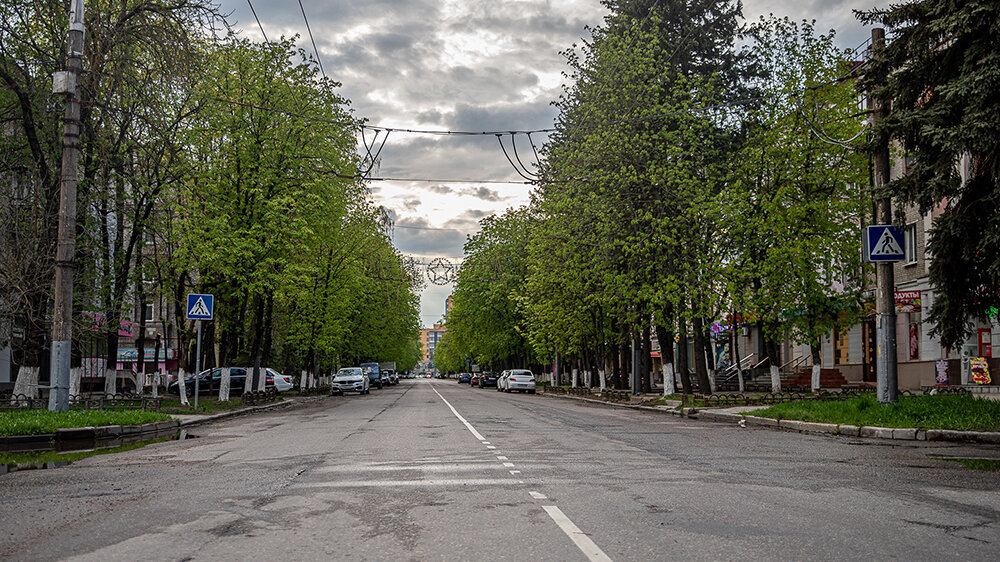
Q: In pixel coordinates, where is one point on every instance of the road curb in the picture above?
(82, 438)
(290, 403)
(867, 432)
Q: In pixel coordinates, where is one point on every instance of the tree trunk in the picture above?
(700, 351)
(683, 361)
(817, 364)
(647, 361)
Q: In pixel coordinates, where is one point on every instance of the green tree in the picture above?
(940, 74)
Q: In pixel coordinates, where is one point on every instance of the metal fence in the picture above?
(126, 401)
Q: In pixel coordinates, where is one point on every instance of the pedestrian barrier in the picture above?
(125, 401)
(315, 390)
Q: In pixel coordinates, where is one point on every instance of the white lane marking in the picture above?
(486, 443)
(508, 464)
(459, 416)
(513, 472)
(538, 495)
(499, 458)
(582, 541)
(435, 467)
(491, 447)
(408, 483)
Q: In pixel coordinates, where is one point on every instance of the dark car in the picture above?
(488, 379)
(210, 384)
(464, 377)
(375, 379)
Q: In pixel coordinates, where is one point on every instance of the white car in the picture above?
(282, 383)
(521, 380)
(350, 379)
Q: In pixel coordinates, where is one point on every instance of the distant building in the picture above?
(429, 338)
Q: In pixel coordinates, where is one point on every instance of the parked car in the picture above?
(350, 379)
(488, 378)
(464, 377)
(501, 380)
(374, 380)
(521, 380)
(385, 378)
(474, 380)
(210, 380)
(393, 377)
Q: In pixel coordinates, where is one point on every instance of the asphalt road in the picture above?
(433, 470)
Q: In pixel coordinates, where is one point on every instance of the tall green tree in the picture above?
(940, 74)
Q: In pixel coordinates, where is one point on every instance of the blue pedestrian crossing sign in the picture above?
(884, 243)
(200, 307)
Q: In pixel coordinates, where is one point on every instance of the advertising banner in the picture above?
(907, 301)
(980, 370)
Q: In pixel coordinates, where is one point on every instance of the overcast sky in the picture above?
(461, 65)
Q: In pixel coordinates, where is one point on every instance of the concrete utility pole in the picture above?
(885, 298)
(68, 83)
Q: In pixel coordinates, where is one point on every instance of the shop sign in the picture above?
(907, 301)
(980, 370)
(125, 328)
(131, 354)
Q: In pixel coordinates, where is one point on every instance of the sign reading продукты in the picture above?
(883, 243)
(200, 307)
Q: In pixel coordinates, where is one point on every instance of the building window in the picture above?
(147, 312)
(909, 161)
(911, 243)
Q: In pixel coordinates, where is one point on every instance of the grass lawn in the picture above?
(963, 413)
(34, 422)
(44, 457)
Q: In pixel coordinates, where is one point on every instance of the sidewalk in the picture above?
(737, 415)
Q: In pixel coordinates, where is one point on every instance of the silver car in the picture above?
(349, 379)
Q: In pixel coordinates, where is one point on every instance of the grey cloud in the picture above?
(484, 193)
(411, 237)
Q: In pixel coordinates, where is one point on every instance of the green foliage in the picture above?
(794, 203)
(485, 323)
(940, 72)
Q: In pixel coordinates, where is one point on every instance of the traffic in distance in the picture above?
(361, 379)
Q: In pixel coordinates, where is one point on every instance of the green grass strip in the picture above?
(956, 412)
(35, 422)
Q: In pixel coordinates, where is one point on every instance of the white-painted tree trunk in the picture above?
(262, 379)
(74, 381)
(668, 379)
(739, 376)
(775, 379)
(600, 374)
(303, 379)
(587, 376)
(110, 381)
(181, 386)
(156, 381)
(575, 373)
(224, 384)
(711, 380)
(815, 377)
(26, 382)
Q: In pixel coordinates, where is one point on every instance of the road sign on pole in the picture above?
(884, 243)
(200, 307)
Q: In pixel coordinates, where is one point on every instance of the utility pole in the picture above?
(67, 82)
(885, 298)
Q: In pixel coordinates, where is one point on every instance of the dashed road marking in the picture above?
(508, 464)
(501, 458)
(513, 472)
(538, 495)
(582, 541)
